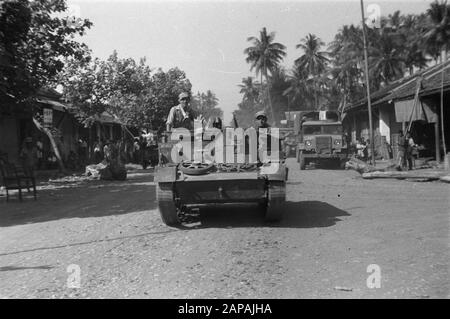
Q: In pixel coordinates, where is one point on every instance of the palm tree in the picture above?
(411, 28)
(300, 89)
(438, 26)
(313, 60)
(386, 62)
(346, 52)
(264, 56)
(250, 89)
(279, 83)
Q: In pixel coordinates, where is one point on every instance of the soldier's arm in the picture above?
(169, 121)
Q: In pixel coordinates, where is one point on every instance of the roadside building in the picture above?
(412, 103)
(52, 113)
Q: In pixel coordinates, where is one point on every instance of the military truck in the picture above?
(320, 138)
(183, 183)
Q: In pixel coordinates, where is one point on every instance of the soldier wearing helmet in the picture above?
(261, 120)
(181, 115)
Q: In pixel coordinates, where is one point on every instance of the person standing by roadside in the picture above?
(97, 153)
(361, 149)
(107, 151)
(411, 151)
(136, 150)
(39, 153)
(28, 155)
(402, 143)
(82, 152)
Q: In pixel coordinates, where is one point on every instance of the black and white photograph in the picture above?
(246, 152)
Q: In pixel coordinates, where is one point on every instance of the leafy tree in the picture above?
(33, 43)
(166, 88)
(206, 105)
(129, 90)
(280, 83)
(249, 89)
(84, 87)
(251, 102)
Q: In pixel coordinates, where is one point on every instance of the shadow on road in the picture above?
(13, 268)
(80, 200)
(105, 240)
(305, 214)
(325, 165)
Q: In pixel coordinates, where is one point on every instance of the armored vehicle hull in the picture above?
(183, 182)
(177, 191)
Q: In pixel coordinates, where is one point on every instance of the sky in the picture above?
(206, 39)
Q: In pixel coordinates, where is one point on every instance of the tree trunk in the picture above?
(315, 95)
(52, 142)
(269, 96)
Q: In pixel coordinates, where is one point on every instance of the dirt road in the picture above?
(335, 225)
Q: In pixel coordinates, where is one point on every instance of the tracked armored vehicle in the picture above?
(183, 183)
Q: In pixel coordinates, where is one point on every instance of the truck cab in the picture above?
(319, 140)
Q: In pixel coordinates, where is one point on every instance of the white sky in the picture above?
(206, 39)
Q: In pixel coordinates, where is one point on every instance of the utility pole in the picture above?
(289, 112)
(369, 106)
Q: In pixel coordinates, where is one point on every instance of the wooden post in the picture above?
(369, 105)
(437, 143)
(90, 148)
(442, 113)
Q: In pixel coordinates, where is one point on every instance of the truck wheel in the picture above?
(276, 201)
(167, 207)
(301, 160)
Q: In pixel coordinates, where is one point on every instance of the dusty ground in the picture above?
(335, 225)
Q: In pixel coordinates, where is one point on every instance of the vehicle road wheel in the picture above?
(276, 201)
(301, 160)
(167, 207)
(193, 168)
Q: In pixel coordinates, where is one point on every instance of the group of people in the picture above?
(406, 154)
(33, 157)
(145, 150)
(142, 150)
(362, 149)
(407, 151)
(182, 116)
(110, 150)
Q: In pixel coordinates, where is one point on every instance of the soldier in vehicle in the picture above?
(181, 115)
(217, 123)
(261, 120)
